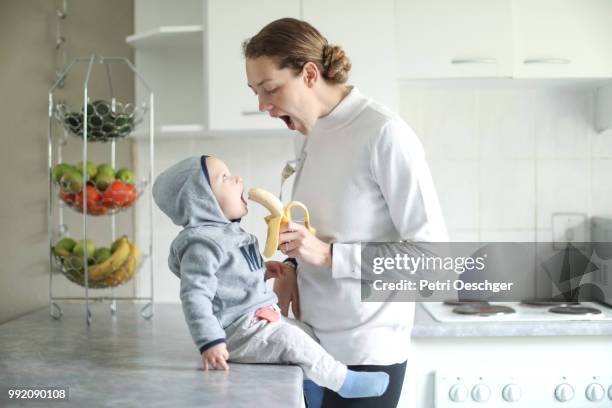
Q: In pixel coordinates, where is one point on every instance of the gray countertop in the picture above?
(129, 361)
(426, 326)
(123, 360)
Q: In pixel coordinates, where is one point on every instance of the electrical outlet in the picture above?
(569, 227)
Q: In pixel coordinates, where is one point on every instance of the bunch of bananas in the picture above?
(119, 268)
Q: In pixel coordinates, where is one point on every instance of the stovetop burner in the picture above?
(575, 310)
(548, 302)
(458, 302)
(479, 309)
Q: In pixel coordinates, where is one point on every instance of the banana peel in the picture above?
(278, 216)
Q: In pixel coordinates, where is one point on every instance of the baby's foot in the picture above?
(360, 384)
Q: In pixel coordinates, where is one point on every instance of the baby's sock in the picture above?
(360, 384)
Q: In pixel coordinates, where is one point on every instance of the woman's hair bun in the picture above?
(336, 65)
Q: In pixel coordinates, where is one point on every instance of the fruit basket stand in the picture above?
(97, 191)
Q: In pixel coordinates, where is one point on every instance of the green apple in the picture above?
(103, 180)
(58, 171)
(105, 168)
(64, 247)
(101, 254)
(79, 248)
(72, 181)
(125, 175)
(74, 263)
(91, 169)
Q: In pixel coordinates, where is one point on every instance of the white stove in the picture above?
(522, 313)
(510, 371)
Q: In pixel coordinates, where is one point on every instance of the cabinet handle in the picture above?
(475, 61)
(547, 61)
(253, 113)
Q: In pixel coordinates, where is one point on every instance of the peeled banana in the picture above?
(278, 215)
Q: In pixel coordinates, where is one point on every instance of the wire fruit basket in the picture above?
(107, 268)
(105, 120)
(106, 191)
(100, 190)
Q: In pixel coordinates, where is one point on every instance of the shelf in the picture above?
(165, 36)
(508, 83)
(183, 130)
(187, 131)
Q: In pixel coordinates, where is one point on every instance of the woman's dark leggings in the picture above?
(388, 400)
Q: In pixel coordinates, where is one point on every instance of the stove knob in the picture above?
(595, 392)
(511, 393)
(458, 393)
(564, 392)
(610, 392)
(481, 393)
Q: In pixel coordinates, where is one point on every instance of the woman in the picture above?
(363, 176)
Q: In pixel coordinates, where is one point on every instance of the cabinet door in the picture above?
(451, 39)
(563, 38)
(365, 30)
(230, 103)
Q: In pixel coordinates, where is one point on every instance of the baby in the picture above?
(229, 310)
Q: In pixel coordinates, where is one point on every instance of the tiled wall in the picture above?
(503, 158)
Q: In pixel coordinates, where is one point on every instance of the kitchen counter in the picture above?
(426, 326)
(128, 361)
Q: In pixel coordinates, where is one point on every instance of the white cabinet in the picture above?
(168, 52)
(504, 38)
(365, 30)
(192, 56)
(563, 38)
(453, 39)
(230, 103)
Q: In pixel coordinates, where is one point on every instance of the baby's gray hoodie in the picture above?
(219, 264)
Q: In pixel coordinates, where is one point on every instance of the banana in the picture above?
(277, 216)
(125, 272)
(121, 253)
(102, 270)
(268, 200)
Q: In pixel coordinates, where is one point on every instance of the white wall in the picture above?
(504, 157)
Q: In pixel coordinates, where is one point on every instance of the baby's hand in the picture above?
(275, 269)
(216, 356)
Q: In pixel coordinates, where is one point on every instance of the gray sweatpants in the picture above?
(288, 341)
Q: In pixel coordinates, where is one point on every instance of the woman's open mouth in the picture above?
(288, 121)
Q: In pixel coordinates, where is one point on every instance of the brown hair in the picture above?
(293, 43)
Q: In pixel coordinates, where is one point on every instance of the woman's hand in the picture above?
(216, 357)
(285, 287)
(297, 242)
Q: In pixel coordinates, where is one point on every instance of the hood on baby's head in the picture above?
(183, 193)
